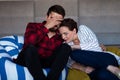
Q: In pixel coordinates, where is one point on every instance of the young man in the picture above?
(43, 46)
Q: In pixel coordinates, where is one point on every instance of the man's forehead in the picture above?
(56, 15)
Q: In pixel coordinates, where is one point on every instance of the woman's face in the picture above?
(67, 34)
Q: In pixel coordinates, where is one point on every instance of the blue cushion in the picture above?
(12, 71)
(10, 46)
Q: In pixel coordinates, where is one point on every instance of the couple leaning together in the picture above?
(57, 42)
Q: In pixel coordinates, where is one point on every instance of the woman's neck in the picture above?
(76, 40)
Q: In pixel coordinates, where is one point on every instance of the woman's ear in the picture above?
(74, 30)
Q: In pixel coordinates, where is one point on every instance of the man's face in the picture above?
(56, 20)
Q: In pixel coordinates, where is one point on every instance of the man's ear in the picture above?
(46, 17)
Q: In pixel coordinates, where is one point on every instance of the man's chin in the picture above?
(67, 41)
(52, 29)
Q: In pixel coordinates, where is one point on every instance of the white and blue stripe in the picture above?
(10, 46)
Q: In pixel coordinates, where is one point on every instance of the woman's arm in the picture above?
(88, 39)
(75, 47)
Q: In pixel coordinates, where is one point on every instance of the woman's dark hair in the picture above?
(56, 8)
(70, 23)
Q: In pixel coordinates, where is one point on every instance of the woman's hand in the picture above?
(103, 47)
(78, 66)
(86, 69)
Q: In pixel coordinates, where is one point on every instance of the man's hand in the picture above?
(52, 22)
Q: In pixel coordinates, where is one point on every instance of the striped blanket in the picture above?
(10, 46)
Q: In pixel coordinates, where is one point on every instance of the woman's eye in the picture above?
(51, 17)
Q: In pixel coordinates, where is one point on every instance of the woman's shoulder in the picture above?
(82, 26)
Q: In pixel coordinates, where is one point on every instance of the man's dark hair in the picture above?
(56, 8)
(70, 24)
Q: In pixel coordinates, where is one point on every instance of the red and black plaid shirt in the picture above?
(36, 34)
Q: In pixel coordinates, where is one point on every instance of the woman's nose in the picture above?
(64, 37)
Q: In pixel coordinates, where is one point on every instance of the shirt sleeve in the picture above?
(88, 39)
(33, 32)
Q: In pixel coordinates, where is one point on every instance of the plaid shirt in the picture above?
(36, 34)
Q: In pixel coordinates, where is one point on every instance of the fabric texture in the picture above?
(10, 46)
(114, 49)
(36, 34)
(74, 74)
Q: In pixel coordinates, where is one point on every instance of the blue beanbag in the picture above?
(10, 46)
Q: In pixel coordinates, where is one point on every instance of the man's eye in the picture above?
(65, 33)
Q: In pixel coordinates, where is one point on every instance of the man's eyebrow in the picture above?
(60, 20)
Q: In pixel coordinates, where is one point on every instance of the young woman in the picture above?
(87, 53)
